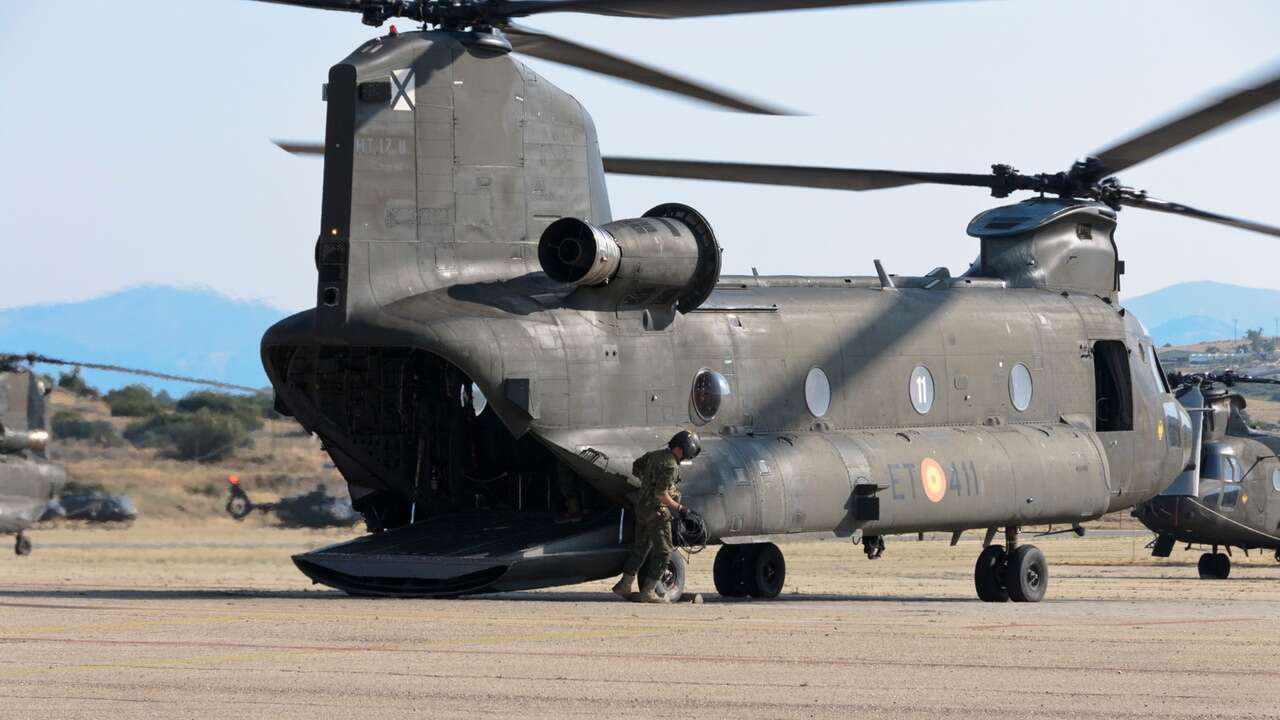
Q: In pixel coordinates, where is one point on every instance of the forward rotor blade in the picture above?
(790, 175)
(347, 5)
(1191, 125)
(1164, 206)
(300, 148)
(549, 47)
(667, 9)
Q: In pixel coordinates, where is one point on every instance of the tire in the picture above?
(22, 545)
(988, 574)
(1026, 574)
(670, 586)
(1221, 566)
(239, 507)
(768, 571)
(1205, 566)
(730, 571)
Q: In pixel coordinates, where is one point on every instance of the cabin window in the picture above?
(472, 395)
(1113, 386)
(1020, 387)
(710, 388)
(817, 392)
(1275, 479)
(921, 390)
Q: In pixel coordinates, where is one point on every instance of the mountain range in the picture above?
(203, 334)
(197, 333)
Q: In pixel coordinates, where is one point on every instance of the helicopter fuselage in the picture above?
(446, 372)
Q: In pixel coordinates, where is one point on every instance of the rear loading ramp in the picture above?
(470, 553)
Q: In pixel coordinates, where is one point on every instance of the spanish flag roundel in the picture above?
(933, 479)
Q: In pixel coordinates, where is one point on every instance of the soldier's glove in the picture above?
(683, 512)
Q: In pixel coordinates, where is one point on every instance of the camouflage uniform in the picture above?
(658, 472)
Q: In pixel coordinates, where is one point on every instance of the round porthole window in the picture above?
(472, 395)
(817, 392)
(1020, 387)
(709, 391)
(921, 389)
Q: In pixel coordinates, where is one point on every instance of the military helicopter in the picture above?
(27, 479)
(1231, 496)
(483, 327)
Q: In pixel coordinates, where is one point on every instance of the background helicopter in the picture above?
(27, 479)
(1231, 497)
(454, 367)
(315, 509)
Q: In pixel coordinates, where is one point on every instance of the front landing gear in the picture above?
(22, 545)
(1011, 572)
(756, 569)
(1214, 566)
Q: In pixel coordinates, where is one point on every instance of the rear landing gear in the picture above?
(758, 570)
(22, 545)
(1011, 572)
(1214, 566)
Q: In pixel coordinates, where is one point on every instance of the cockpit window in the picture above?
(1230, 497)
(1162, 382)
(1220, 467)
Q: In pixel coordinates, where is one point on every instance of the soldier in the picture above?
(658, 472)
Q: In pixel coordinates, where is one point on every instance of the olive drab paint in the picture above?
(446, 163)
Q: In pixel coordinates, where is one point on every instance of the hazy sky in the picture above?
(134, 136)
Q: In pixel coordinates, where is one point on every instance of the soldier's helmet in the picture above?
(688, 443)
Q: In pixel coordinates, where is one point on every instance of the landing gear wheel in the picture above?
(730, 570)
(22, 545)
(1214, 566)
(670, 585)
(1026, 574)
(988, 574)
(768, 571)
(239, 506)
(1221, 566)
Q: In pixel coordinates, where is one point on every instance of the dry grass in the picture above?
(281, 461)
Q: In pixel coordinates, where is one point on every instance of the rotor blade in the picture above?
(348, 5)
(38, 359)
(1190, 125)
(555, 49)
(667, 9)
(790, 175)
(300, 148)
(1164, 206)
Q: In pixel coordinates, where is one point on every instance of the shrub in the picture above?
(134, 401)
(71, 425)
(247, 410)
(72, 382)
(202, 436)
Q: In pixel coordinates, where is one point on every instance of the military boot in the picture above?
(649, 594)
(623, 587)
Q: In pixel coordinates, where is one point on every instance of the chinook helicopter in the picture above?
(1231, 495)
(27, 479)
(484, 328)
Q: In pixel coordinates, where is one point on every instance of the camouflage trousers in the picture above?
(651, 551)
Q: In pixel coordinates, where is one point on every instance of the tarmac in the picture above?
(211, 620)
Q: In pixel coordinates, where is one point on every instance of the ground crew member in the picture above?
(658, 472)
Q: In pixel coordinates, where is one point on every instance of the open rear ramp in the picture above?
(472, 553)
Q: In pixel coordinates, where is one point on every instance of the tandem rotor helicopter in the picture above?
(484, 328)
(1230, 496)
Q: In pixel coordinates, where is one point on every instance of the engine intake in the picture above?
(667, 257)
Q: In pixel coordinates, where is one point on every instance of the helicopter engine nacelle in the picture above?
(667, 257)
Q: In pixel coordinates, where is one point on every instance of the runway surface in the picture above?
(213, 621)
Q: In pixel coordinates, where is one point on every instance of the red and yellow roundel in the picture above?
(933, 479)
